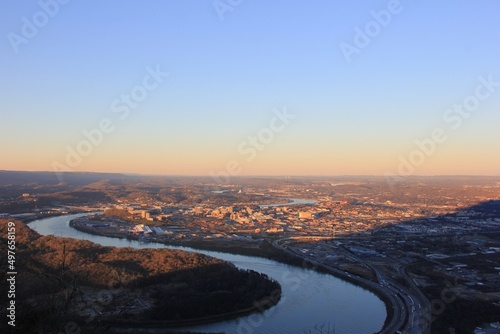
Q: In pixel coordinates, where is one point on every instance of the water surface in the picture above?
(309, 298)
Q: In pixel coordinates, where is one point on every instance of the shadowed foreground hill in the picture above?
(66, 283)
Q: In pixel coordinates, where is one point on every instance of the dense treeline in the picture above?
(223, 290)
(62, 280)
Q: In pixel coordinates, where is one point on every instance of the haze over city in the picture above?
(250, 167)
(363, 81)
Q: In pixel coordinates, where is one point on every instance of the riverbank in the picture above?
(261, 248)
(259, 306)
(310, 298)
(265, 249)
(181, 287)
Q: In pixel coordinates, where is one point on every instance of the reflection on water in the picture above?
(309, 298)
(292, 201)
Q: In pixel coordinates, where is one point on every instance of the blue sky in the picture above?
(227, 76)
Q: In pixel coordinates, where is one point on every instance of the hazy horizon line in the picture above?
(249, 175)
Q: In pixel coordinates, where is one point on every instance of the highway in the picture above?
(416, 307)
(409, 310)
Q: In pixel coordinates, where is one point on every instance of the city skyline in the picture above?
(383, 88)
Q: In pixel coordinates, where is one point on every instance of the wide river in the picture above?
(309, 298)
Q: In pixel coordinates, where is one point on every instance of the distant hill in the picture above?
(50, 178)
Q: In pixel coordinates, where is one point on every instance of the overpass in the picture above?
(409, 311)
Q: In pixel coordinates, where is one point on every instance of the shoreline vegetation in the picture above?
(64, 280)
(265, 249)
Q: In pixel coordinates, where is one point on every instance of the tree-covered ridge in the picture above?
(63, 280)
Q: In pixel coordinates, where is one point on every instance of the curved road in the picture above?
(409, 311)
